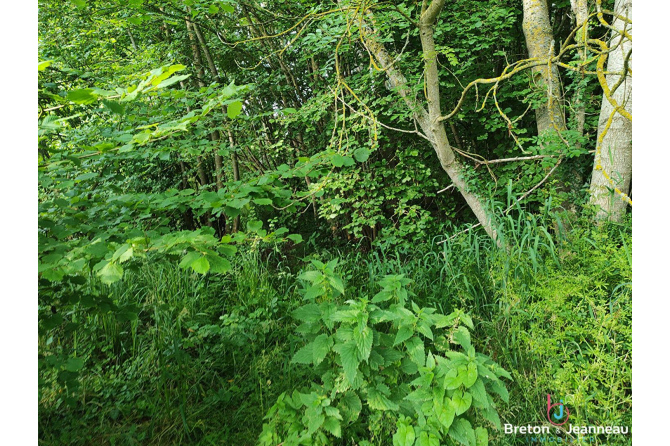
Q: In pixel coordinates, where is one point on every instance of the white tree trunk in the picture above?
(540, 44)
(615, 146)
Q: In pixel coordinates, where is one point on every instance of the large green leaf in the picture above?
(462, 432)
(349, 357)
(110, 273)
(363, 338)
(321, 347)
(234, 109)
(405, 435)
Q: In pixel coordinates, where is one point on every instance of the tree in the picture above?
(612, 171)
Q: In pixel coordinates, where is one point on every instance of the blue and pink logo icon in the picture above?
(562, 414)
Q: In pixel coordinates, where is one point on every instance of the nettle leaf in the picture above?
(363, 338)
(350, 405)
(462, 337)
(452, 380)
(404, 332)
(427, 439)
(305, 355)
(416, 351)
(378, 401)
(349, 356)
(446, 414)
(461, 401)
(332, 425)
(478, 392)
(471, 375)
(307, 313)
(462, 432)
(321, 347)
(405, 435)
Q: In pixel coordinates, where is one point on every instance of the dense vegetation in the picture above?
(333, 222)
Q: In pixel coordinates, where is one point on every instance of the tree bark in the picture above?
(428, 120)
(236, 175)
(540, 44)
(581, 12)
(615, 145)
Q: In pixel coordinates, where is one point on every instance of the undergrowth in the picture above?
(192, 359)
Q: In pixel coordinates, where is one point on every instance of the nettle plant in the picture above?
(384, 360)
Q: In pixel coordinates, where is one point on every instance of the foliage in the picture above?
(377, 359)
(212, 172)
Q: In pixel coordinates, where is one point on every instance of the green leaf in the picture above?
(452, 380)
(218, 264)
(404, 332)
(213, 9)
(263, 201)
(305, 355)
(110, 273)
(189, 259)
(307, 313)
(41, 66)
(427, 439)
(363, 338)
(350, 405)
(80, 4)
(349, 356)
(254, 225)
(83, 96)
(445, 414)
(296, 238)
(234, 109)
(471, 375)
(416, 351)
(114, 107)
(321, 347)
(462, 432)
(482, 436)
(499, 388)
(200, 265)
(378, 401)
(405, 435)
(490, 414)
(332, 425)
(228, 8)
(314, 421)
(478, 392)
(339, 161)
(461, 401)
(362, 154)
(462, 337)
(74, 364)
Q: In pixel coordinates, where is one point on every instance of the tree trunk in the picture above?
(581, 12)
(540, 44)
(615, 145)
(236, 174)
(428, 121)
